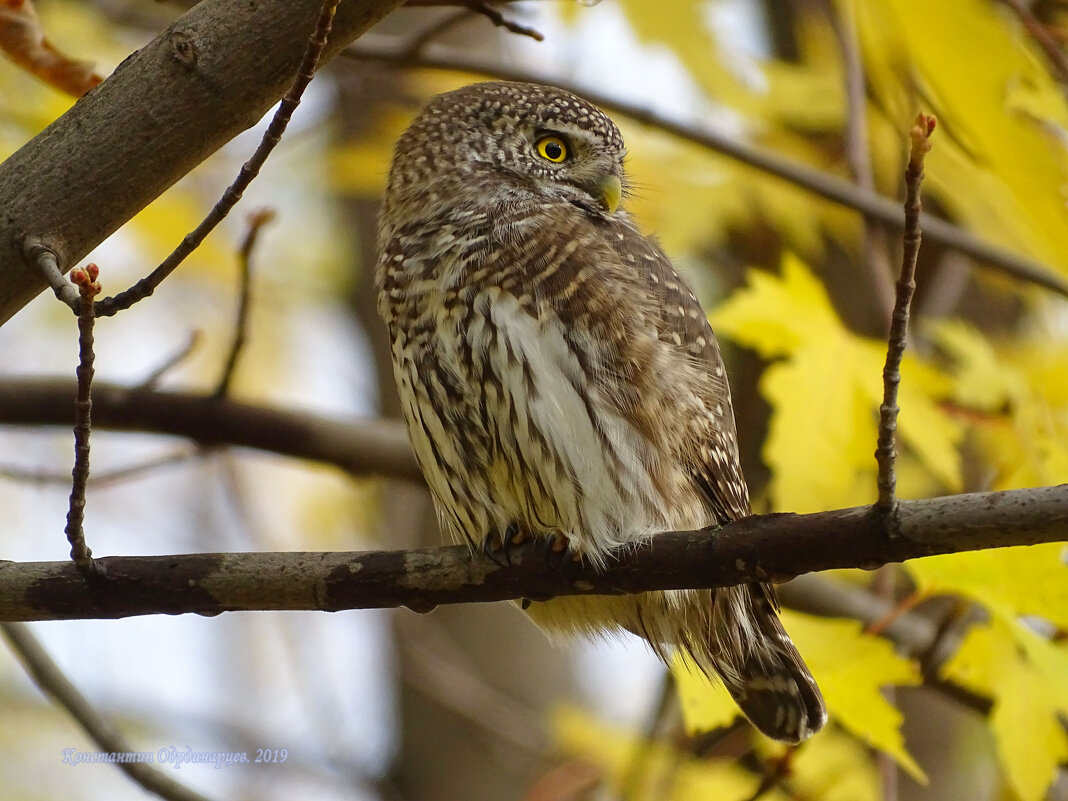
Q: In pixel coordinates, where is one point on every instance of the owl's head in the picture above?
(503, 142)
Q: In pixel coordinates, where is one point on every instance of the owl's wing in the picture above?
(683, 324)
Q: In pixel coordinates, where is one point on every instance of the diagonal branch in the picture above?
(822, 184)
(52, 681)
(249, 171)
(209, 76)
(772, 547)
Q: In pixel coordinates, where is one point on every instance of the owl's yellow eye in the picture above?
(552, 148)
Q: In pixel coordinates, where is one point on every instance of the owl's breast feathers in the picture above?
(562, 375)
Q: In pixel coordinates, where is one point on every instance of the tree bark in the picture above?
(166, 108)
(359, 447)
(772, 547)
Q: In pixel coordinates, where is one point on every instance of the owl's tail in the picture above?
(733, 633)
(762, 670)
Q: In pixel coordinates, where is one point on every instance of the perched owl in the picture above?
(560, 380)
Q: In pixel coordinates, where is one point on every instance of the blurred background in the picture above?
(473, 702)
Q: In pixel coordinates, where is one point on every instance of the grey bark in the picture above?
(774, 547)
(166, 108)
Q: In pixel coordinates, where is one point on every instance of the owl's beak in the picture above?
(611, 190)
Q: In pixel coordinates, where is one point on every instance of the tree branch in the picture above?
(376, 447)
(54, 683)
(772, 547)
(823, 184)
(170, 105)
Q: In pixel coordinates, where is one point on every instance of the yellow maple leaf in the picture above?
(706, 705)
(652, 771)
(1027, 676)
(826, 392)
(835, 766)
(1026, 580)
(1020, 391)
(850, 666)
(1001, 166)
(778, 315)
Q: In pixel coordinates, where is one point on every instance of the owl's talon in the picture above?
(514, 536)
(499, 549)
(492, 548)
(557, 550)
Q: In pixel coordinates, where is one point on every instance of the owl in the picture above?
(560, 380)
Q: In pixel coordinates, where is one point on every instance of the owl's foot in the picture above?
(558, 552)
(499, 548)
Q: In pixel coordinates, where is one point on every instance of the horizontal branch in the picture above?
(772, 547)
(823, 184)
(378, 447)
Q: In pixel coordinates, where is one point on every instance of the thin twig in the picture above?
(48, 266)
(498, 19)
(874, 254)
(778, 773)
(169, 363)
(633, 781)
(47, 675)
(1042, 38)
(885, 452)
(256, 221)
(487, 10)
(88, 289)
(446, 23)
(905, 605)
(825, 185)
(883, 586)
(101, 478)
(249, 170)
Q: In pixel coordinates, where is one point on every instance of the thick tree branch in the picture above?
(378, 447)
(767, 548)
(170, 105)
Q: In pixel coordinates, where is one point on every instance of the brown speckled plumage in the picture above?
(560, 378)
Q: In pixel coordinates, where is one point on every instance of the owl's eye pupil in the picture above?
(552, 148)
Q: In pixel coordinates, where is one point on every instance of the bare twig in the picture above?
(53, 683)
(779, 771)
(772, 547)
(170, 362)
(249, 170)
(498, 19)
(874, 255)
(883, 587)
(101, 478)
(48, 266)
(885, 452)
(635, 776)
(820, 183)
(256, 221)
(1042, 38)
(174, 102)
(446, 23)
(487, 10)
(88, 289)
